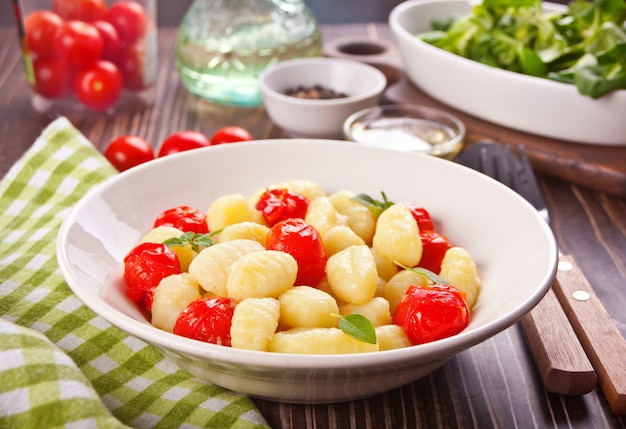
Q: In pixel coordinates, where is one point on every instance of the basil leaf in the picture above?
(358, 327)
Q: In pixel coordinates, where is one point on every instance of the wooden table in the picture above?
(492, 385)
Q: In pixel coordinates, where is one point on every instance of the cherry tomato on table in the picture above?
(99, 86)
(303, 242)
(279, 204)
(79, 43)
(41, 27)
(129, 19)
(83, 10)
(144, 267)
(184, 218)
(231, 134)
(182, 141)
(432, 312)
(128, 151)
(207, 319)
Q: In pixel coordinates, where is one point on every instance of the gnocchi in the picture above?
(366, 274)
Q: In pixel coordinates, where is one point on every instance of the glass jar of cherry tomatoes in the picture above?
(83, 56)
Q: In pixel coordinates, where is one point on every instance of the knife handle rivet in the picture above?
(581, 295)
(564, 266)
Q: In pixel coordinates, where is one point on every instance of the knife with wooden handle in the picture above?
(604, 344)
(558, 354)
(596, 332)
(560, 358)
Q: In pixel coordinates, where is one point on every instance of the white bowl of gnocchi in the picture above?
(310, 273)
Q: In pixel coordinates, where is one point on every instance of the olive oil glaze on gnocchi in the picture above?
(292, 269)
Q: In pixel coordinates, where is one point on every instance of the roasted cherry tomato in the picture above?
(421, 216)
(129, 19)
(303, 242)
(128, 151)
(144, 267)
(207, 319)
(79, 43)
(110, 39)
(433, 312)
(53, 77)
(41, 27)
(83, 10)
(231, 134)
(182, 141)
(99, 86)
(434, 247)
(184, 218)
(280, 204)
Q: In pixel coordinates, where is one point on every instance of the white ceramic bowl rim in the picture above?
(150, 334)
(378, 77)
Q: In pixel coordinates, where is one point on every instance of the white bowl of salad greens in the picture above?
(525, 66)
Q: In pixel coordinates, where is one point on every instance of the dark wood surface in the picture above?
(492, 385)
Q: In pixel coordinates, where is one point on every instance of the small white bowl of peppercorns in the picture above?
(312, 97)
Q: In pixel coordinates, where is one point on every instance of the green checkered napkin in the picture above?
(60, 364)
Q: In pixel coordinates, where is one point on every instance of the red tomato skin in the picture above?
(128, 151)
(303, 242)
(110, 39)
(421, 216)
(41, 27)
(82, 10)
(53, 77)
(144, 267)
(279, 204)
(184, 218)
(99, 86)
(129, 19)
(182, 141)
(434, 247)
(430, 313)
(231, 134)
(131, 62)
(79, 43)
(207, 319)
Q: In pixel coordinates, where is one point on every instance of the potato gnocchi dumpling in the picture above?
(318, 341)
(397, 236)
(391, 337)
(262, 274)
(229, 210)
(245, 230)
(376, 311)
(322, 215)
(340, 237)
(171, 296)
(352, 274)
(307, 307)
(253, 324)
(367, 255)
(360, 218)
(210, 268)
(459, 269)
